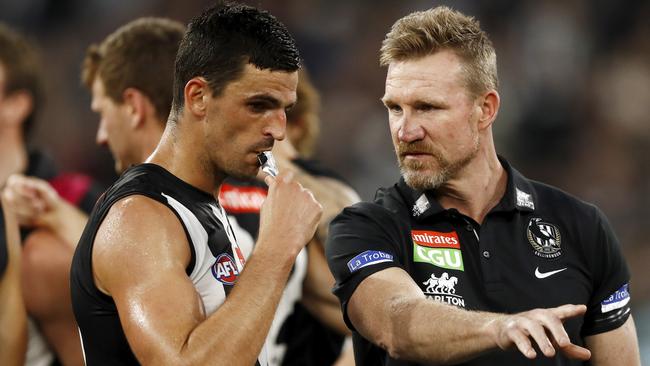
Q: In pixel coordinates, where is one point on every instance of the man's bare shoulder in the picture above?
(138, 236)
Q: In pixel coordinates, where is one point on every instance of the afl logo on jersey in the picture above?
(225, 269)
(545, 238)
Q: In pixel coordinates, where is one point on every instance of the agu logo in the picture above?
(225, 270)
(437, 248)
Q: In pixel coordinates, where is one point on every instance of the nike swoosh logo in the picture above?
(539, 274)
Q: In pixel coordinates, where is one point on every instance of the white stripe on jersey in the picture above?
(211, 291)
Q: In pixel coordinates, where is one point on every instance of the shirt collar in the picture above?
(519, 196)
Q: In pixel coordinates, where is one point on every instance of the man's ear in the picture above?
(17, 106)
(138, 105)
(196, 95)
(488, 104)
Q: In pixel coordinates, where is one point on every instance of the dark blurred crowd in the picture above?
(574, 84)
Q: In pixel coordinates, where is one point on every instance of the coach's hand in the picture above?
(542, 328)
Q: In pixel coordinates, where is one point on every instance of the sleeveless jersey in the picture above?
(213, 269)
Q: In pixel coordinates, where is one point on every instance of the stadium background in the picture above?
(575, 88)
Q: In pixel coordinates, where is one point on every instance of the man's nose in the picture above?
(409, 129)
(277, 126)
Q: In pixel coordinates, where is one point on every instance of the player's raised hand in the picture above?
(290, 214)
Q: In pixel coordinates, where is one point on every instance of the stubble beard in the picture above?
(423, 176)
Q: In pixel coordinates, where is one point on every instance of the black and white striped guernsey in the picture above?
(214, 267)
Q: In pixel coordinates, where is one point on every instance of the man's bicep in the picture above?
(144, 272)
(615, 347)
(363, 240)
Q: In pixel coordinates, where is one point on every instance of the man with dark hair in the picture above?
(178, 294)
(307, 328)
(132, 83)
(45, 259)
(13, 318)
(456, 259)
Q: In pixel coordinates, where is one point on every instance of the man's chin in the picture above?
(247, 173)
(422, 180)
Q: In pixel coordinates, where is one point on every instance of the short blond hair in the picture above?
(424, 33)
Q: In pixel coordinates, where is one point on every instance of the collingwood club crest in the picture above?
(545, 238)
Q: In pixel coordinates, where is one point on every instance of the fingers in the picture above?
(568, 311)
(576, 352)
(543, 327)
(522, 342)
(29, 198)
(269, 180)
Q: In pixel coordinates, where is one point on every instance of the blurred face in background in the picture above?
(115, 127)
(433, 118)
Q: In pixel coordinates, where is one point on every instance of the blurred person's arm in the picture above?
(333, 197)
(36, 204)
(616, 347)
(13, 317)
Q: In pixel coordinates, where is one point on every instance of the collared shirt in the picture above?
(538, 247)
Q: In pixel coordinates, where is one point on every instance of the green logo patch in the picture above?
(439, 257)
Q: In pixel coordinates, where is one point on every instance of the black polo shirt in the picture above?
(538, 248)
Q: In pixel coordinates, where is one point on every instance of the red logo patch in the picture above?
(225, 269)
(435, 239)
(236, 199)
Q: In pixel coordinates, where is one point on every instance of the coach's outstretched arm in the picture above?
(144, 270)
(387, 309)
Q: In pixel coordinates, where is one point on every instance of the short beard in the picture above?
(415, 172)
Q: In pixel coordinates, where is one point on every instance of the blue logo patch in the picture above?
(368, 258)
(225, 269)
(616, 300)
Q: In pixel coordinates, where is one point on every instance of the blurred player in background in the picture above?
(46, 251)
(13, 317)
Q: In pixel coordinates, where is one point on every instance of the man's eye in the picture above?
(425, 107)
(257, 106)
(394, 108)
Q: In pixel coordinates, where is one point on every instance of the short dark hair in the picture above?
(223, 39)
(139, 54)
(22, 66)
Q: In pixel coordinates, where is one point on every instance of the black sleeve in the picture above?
(4, 253)
(609, 307)
(363, 239)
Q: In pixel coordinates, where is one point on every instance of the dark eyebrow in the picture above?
(265, 98)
